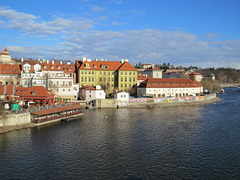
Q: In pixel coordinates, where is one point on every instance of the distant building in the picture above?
(195, 77)
(174, 73)
(90, 93)
(154, 72)
(10, 74)
(146, 65)
(5, 57)
(169, 87)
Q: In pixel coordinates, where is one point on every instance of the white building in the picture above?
(122, 96)
(154, 72)
(32, 74)
(169, 87)
(60, 79)
(5, 57)
(90, 93)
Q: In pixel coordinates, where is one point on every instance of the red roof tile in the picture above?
(10, 69)
(38, 91)
(169, 83)
(104, 65)
(52, 67)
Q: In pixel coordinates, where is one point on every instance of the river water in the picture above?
(190, 142)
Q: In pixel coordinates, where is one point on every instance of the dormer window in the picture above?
(58, 67)
(45, 67)
(33, 93)
(52, 67)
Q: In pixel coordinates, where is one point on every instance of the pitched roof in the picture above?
(68, 68)
(104, 65)
(10, 69)
(153, 68)
(37, 91)
(6, 89)
(169, 83)
(127, 67)
(21, 90)
(5, 52)
(141, 77)
(88, 87)
(52, 67)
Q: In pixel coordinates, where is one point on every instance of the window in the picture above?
(92, 72)
(104, 73)
(121, 73)
(82, 79)
(100, 73)
(45, 67)
(89, 79)
(133, 79)
(89, 72)
(125, 85)
(121, 85)
(125, 73)
(63, 90)
(69, 90)
(121, 79)
(85, 79)
(130, 73)
(100, 79)
(108, 79)
(112, 79)
(81, 72)
(125, 79)
(133, 73)
(108, 73)
(52, 67)
(85, 72)
(130, 79)
(89, 95)
(92, 79)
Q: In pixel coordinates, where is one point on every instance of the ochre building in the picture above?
(111, 75)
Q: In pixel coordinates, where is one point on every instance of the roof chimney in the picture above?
(52, 61)
(84, 59)
(122, 61)
(96, 59)
(60, 62)
(47, 61)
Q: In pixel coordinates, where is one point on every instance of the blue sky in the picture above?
(204, 33)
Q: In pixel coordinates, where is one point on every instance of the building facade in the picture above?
(111, 75)
(90, 93)
(169, 87)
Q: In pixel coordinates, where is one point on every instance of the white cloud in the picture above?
(97, 9)
(33, 25)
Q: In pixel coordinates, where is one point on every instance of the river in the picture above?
(190, 142)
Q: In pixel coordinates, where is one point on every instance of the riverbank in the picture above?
(184, 103)
(5, 129)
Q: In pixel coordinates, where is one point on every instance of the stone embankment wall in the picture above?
(15, 119)
(152, 102)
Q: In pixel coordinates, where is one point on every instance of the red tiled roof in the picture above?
(141, 77)
(56, 110)
(38, 91)
(153, 68)
(31, 62)
(9, 89)
(10, 69)
(68, 68)
(169, 83)
(88, 87)
(127, 67)
(104, 65)
(194, 73)
(21, 90)
(52, 67)
(5, 52)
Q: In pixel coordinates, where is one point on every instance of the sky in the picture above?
(202, 33)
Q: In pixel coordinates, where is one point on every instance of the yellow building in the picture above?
(111, 75)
